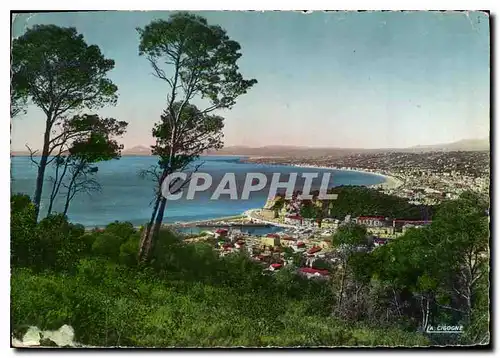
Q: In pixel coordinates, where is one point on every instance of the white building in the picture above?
(295, 220)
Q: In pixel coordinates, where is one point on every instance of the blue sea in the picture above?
(126, 196)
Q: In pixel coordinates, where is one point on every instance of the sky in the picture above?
(325, 79)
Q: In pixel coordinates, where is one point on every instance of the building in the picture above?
(379, 241)
(325, 244)
(310, 223)
(313, 273)
(294, 219)
(313, 250)
(329, 223)
(275, 267)
(287, 241)
(380, 230)
(403, 225)
(271, 240)
(299, 246)
(221, 233)
(371, 221)
(239, 244)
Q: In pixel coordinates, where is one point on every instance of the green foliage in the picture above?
(310, 211)
(60, 56)
(22, 230)
(19, 202)
(108, 306)
(53, 243)
(445, 264)
(90, 140)
(95, 143)
(108, 246)
(57, 246)
(123, 230)
(54, 68)
(350, 236)
(189, 296)
(203, 55)
(129, 249)
(198, 62)
(358, 201)
(87, 241)
(199, 132)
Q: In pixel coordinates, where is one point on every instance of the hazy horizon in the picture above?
(337, 79)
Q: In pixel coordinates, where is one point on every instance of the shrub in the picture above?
(22, 230)
(129, 251)
(121, 229)
(107, 245)
(86, 241)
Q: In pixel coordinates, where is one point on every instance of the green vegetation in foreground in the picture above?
(189, 296)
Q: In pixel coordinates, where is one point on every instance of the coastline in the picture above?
(390, 182)
(205, 221)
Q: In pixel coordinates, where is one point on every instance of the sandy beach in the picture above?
(207, 221)
(390, 182)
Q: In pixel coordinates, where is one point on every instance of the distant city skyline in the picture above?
(326, 79)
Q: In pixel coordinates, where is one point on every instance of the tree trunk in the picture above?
(66, 204)
(147, 230)
(39, 181)
(342, 284)
(71, 187)
(425, 312)
(57, 185)
(152, 232)
(396, 301)
(54, 191)
(41, 166)
(468, 300)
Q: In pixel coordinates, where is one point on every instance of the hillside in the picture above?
(296, 151)
(313, 152)
(137, 150)
(461, 145)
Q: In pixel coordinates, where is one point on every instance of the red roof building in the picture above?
(379, 241)
(314, 249)
(274, 236)
(312, 271)
(293, 219)
(221, 232)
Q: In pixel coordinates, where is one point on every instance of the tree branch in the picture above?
(32, 154)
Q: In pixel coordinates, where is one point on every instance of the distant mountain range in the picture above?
(465, 144)
(137, 150)
(297, 151)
